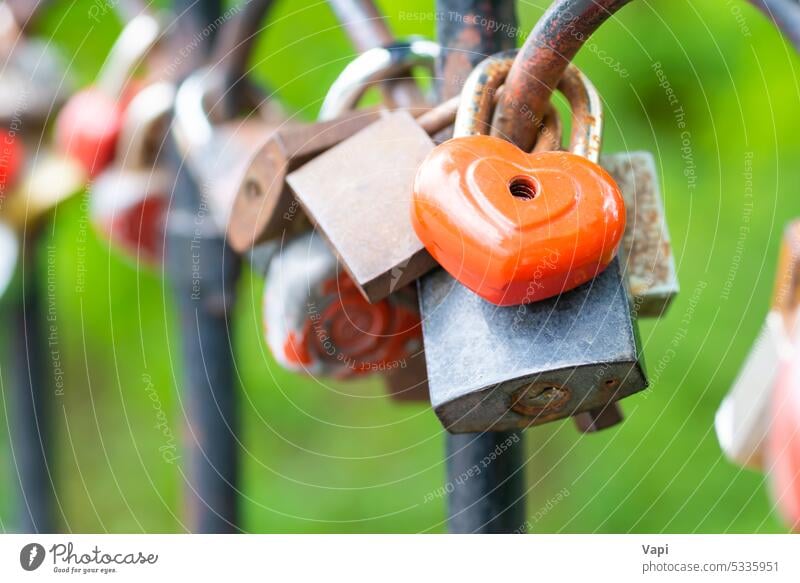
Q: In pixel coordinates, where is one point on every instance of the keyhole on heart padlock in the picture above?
(523, 187)
(538, 398)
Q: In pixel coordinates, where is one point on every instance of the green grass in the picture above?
(340, 457)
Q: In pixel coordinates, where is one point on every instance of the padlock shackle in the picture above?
(375, 66)
(132, 46)
(367, 29)
(148, 107)
(542, 61)
(485, 86)
(191, 127)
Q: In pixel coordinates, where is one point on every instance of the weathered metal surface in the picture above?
(647, 259)
(480, 97)
(264, 207)
(479, 355)
(358, 194)
(541, 63)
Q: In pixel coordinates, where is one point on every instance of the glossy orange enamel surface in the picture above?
(509, 249)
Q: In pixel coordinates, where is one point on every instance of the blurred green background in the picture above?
(341, 457)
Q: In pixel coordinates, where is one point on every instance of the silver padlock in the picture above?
(496, 368)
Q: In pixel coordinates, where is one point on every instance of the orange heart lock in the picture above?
(518, 227)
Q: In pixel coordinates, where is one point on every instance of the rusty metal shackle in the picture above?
(542, 61)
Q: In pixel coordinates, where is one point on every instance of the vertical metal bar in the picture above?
(31, 408)
(485, 472)
(203, 273)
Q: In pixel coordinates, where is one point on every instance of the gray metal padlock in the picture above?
(496, 368)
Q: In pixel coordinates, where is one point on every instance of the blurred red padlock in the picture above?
(318, 322)
(88, 126)
(783, 442)
(129, 200)
(12, 158)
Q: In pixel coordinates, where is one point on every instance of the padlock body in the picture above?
(88, 127)
(358, 194)
(516, 227)
(581, 349)
(646, 250)
(318, 322)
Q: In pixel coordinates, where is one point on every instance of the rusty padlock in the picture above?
(648, 263)
(88, 126)
(265, 206)
(129, 199)
(358, 193)
(496, 368)
(743, 419)
(317, 322)
(217, 153)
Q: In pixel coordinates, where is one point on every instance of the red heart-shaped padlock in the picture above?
(88, 127)
(516, 227)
